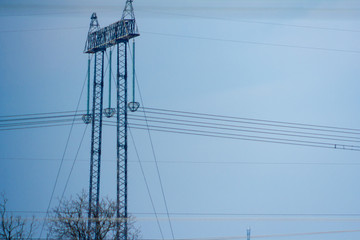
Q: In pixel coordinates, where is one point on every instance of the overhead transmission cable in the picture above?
(338, 232)
(35, 114)
(40, 120)
(41, 126)
(259, 22)
(201, 17)
(155, 158)
(62, 159)
(147, 185)
(270, 235)
(256, 129)
(165, 119)
(72, 166)
(111, 74)
(194, 162)
(246, 129)
(253, 42)
(244, 137)
(38, 123)
(11, 120)
(269, 216)
(205, 116)
(252, 119)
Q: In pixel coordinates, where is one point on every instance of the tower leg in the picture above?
(95, 160)
(121, 179)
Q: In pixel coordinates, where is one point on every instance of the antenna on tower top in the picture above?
(94, 24)
(128, 13)
(129, 16)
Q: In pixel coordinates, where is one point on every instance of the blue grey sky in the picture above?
(291, 61)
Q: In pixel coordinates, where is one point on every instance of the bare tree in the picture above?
(14, 227)
(70, 218)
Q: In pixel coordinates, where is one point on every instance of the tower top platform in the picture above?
(120, 31)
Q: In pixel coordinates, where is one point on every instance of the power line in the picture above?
(332, 145)
(40, 117)
(41, 120)
(245, 137)
(278, 130)
(201, 17)
(225, 125)
(254, 119)
(37, 114)
(205, 116)
(36, 127)
(226, 214)
(36, 122)
(253, 42)
(225, 132)
(39, 123)
(211, 134)
(236, 128)
(238, 41)
(339, 218)
(155, 158)
(57, 177)
(42, 29)
(63, 156)
(214, 123)
(261, 22)
(194, 162)
(17, 123)
(269, 235)
(146, 184)
(72, 166)
(257, 214)
(254, 236)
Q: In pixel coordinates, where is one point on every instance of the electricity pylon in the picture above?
(248, 232)
(98, 40)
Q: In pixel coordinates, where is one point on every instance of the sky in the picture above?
(288, 61)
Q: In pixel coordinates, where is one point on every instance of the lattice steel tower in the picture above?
(98, 40)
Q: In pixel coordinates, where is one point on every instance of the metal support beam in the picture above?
(121, 187)
(98, 40)
(111, 35)
(96, 132)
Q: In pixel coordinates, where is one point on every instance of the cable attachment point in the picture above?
(109, 112)
(133, 106)
(87, 118)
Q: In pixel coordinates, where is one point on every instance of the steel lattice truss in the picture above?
(121, 198)
(95, 160)
(111, 35)
(98, 40)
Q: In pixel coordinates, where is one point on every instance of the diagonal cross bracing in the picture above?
(95, 160)
(121, 198)
(111, 35)
(98, 40)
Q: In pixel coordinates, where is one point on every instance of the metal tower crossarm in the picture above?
(120, 31)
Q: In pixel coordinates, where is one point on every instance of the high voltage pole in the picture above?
(98, 40)
(248, 232)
